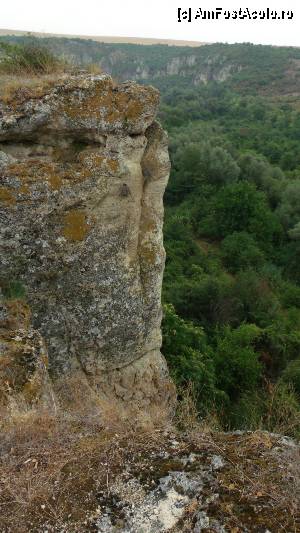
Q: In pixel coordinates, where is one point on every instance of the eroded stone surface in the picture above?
(83, 168)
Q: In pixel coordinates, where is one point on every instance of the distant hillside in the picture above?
(246, 68)
(106, 39)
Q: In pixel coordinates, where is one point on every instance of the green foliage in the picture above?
(200, 299)
(233, 253)
(289, 259)
(188, 357)
(258, 303)
(289, 209)
(281, 342)
(194, 164)
(291, 375)
(294, 233)
(257, 170)
(28, 59)
(240, 251)
(238, 369)
(241, 207)
(275, 408)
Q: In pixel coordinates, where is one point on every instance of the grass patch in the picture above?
(56, 470)
(30, 59)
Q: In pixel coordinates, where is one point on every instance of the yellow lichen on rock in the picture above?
(55, 182)
(127, 106)
(6, 196)
(75, 225)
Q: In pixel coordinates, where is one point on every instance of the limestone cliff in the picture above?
(83, 168)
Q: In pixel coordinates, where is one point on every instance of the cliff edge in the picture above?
(83, 169)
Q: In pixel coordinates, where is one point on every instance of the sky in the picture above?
(152, 18)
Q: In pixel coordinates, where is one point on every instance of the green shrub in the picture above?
(282, 411)
(256, 169)
(255, 299)
(237, 367)
(280, 342)
(188, 357)
(274, 409)
(240, 207)
(289, 294)
(291, 375)
(289, 209)
(240, 251)
(204, 298)
(28, 59)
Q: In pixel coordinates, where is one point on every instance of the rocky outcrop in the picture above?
(83, 168)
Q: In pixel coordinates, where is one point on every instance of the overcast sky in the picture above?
(150, 18)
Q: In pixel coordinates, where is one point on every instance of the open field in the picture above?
(108, 39)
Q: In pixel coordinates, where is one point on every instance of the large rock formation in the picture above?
(83, 168)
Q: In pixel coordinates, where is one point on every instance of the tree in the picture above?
(289, 210)
(188, 356)
(241, 207)
(237, 366)
(240, 251)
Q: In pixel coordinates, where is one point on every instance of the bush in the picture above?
(282, 411)
(28, 59)
(255, 300)
(188, 357)
(281, 339)
(256, 169)
(238, 369)
(205, 298)
(289, 209)
(276, 409)
(198, 163)
(291, 375)
(240, 207)
(240, 251)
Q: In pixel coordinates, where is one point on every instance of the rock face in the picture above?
(83, 168)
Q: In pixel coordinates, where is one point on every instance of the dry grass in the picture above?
(53, 463)
(29, 70)
(29, 59)
(187, 417)
(15, 89)
(18, 88)
(282, 410)
(53, 467)
(259, 487)
(260, 484)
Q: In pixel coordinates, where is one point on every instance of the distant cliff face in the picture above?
(186, 66)
(83, 168)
